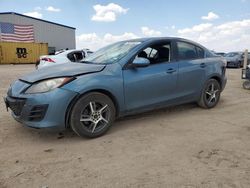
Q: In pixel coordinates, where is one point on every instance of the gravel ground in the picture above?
(183, 146)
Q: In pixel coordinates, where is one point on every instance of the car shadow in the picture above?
(128, 121)
(121, 124)
(49, 135)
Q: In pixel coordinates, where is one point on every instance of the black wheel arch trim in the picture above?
(216, 77)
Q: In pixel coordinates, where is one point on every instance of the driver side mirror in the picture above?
(140, 62)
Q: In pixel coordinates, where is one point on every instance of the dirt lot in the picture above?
(183, 146)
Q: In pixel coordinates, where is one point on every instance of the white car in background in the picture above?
(66, 56)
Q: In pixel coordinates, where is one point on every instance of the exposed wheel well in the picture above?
(105, 92)
(218, 79)
(110, 95)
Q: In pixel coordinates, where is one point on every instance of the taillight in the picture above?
(48, 60)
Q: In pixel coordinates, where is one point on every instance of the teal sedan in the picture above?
(124, 78)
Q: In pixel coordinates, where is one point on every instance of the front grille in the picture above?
(16, 105)
(38, 112)
(232, 63)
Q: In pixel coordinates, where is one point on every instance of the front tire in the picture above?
(92, 115)
(210, 95)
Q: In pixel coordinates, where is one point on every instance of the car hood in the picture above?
(67, 69)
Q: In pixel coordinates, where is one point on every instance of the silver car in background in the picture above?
(234, 59)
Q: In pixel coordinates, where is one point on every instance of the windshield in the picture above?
(232, 54)
(112, 53)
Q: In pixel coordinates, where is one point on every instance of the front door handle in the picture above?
(203, 65)
(170, 71)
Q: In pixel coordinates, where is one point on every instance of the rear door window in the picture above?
(188, 51)
(200, 52)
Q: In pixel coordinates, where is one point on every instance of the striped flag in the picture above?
(16, 33)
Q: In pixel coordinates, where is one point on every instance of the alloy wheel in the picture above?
(212, 93)
(95, 116)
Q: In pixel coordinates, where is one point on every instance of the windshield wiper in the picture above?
(87, 62)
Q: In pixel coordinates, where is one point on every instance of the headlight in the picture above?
(48, 85)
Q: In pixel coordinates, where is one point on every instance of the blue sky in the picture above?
(222, 25)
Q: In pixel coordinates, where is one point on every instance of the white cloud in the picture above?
(170, 27)
(107, 13)
(88, 40)
(37, 8)
(109, 38)
(210, 16)
(37, 11)
(149, 32)
(88, 37)
(94, 42)
(230, 36)
(195, 28)
(53, 9)
(34, 14)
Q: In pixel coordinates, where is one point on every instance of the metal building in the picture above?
(57, 36)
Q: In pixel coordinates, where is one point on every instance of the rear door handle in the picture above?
(170, 71)
(203, 65)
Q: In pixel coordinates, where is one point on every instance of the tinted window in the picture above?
(200, 52)
(71, 57)
(232, 54)
(76, 56)
(188, 51)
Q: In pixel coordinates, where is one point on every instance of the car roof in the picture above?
(235, 52)
(156, 39)
(152, 39)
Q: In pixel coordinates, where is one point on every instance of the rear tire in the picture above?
(210, 95)
(246, 84)
(92, 115)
